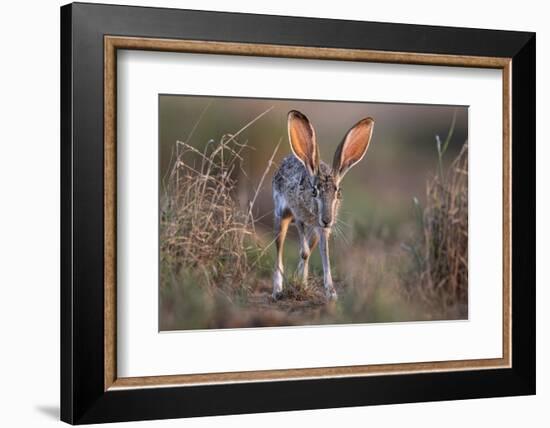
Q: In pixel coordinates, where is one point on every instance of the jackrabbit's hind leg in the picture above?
(281, 227)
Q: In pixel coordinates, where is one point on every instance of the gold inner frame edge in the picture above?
(113, 43)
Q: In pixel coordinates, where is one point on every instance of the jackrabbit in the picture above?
(306, 191)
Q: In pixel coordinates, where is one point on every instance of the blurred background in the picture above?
(377, 214)
(377, 192)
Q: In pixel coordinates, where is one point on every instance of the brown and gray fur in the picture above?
(307, 193)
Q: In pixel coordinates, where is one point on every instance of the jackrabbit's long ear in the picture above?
(354, 146)
(302, 141)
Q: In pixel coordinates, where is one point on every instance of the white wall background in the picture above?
(29, 213)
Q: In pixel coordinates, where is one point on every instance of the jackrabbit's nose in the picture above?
(325, 222)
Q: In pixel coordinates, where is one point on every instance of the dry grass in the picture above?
(441, 251)
(446, 232)
(202, 227)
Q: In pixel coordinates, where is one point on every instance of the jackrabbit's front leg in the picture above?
(330, 292)
(308, 241)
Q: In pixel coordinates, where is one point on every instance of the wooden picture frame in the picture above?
(91, 391)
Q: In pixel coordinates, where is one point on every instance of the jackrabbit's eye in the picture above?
(339, 194)
(314, 192)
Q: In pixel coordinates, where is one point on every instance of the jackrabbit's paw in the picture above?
(276, 295)
(331, 294)
(277, 285)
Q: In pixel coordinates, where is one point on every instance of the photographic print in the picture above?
(280, 212)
